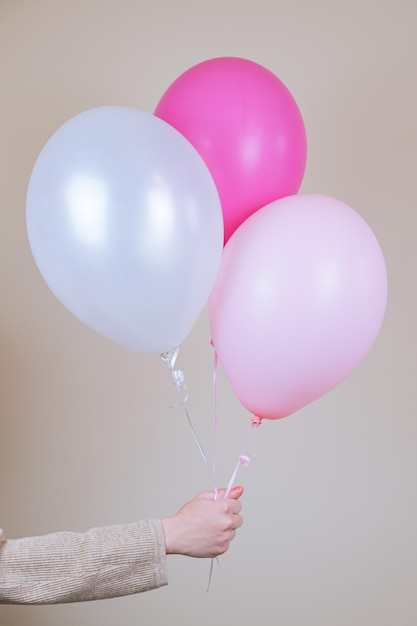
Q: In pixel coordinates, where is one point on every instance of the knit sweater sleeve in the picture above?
(73, 567)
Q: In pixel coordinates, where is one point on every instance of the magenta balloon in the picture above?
(298, 302)
(247, 127)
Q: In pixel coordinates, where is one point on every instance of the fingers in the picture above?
(230, 505)
(234, 494)
(238, 521)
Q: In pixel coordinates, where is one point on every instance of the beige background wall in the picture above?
(87, 437)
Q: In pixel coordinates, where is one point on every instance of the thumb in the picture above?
(234, 494)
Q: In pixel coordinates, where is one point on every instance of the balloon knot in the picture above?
(166, 357)
(256, 420)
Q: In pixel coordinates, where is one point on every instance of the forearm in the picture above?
(73, 567)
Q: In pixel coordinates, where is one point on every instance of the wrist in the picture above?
(168, 525)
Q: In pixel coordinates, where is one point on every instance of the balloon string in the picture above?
(169, 358)
(197, 440)
(215, 368)
(214, 465)
(211, 574)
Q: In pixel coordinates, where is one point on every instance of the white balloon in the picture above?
(126, 227)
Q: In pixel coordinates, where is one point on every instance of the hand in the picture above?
(204, 527)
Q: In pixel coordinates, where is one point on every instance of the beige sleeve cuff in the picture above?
(73, 567)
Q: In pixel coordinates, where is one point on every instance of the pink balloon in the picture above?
(298, 302)
(247, 127)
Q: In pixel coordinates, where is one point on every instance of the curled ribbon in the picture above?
(169, 358)
(177, 377)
